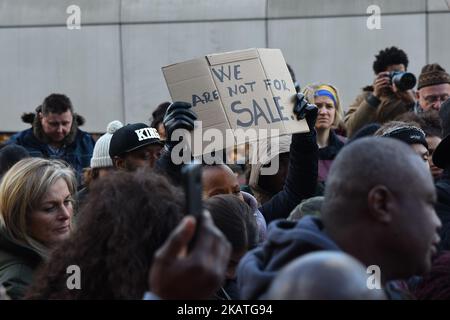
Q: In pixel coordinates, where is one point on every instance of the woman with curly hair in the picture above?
(36, 212)
(126, 218)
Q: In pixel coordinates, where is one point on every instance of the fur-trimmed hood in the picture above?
(33, 119)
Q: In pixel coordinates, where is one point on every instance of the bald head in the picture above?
(323, 275)
(379, 207)
(367, 163)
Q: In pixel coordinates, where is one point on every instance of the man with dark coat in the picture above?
(55, 134)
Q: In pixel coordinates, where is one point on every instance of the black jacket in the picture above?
(443, 208)
(301, 178)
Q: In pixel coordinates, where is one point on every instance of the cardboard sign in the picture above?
(247, 89)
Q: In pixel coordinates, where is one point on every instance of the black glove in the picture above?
(179, 115)
(305, 110)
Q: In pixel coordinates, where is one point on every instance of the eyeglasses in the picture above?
(435, 98)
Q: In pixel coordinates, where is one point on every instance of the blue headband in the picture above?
(326, 93)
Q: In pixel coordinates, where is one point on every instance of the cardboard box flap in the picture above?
(185, 71)
(232, 56)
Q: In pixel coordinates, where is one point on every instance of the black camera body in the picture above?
(403, 80)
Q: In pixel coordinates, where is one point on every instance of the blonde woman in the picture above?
(326, 98)
(36, 209)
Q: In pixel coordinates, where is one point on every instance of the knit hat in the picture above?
(132, 137)
(100, 156)
(310, 206)
(431, 75)
(407, 133)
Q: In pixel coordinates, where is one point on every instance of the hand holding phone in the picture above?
(193, 188)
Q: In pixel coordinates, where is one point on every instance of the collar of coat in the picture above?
(38, 131)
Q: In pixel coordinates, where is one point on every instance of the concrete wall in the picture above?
(111, 67)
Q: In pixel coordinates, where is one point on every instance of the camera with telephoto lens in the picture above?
(403, 80)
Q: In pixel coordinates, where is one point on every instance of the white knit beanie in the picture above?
(100, 156)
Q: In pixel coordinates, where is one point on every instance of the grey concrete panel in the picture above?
(320, 8)
(53, 12)
(438, 5)
(439, 39)
(342, 50)
(188, 10)
(84, 64)
(147, 48)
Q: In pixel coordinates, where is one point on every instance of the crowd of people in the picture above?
(364, 189)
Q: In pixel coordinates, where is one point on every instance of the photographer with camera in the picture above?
(390, 95)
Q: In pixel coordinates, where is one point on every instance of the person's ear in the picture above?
(40, 115)
(417, 94)
(119, 163)
(381, 203)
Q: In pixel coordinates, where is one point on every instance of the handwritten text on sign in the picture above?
(259, 110)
